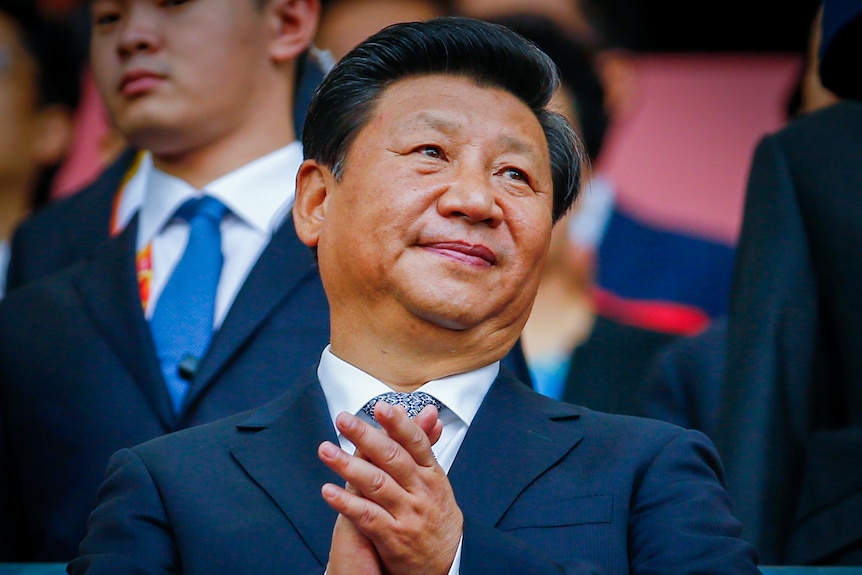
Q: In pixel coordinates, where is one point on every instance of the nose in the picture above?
(139, 30)
(471, 196)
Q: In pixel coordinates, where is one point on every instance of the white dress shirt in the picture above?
(258, 196)
(348, 388)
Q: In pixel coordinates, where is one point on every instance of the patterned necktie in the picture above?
(411, 402)
(182, 323)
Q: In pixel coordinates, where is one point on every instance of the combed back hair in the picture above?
(490, 54)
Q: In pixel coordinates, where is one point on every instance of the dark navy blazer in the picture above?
(545, 487)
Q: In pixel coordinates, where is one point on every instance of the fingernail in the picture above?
(328, 450)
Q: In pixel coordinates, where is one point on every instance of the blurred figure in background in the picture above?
(684, 380)
(39, 89)
(575, 349)
(790, 419)
(205, 303)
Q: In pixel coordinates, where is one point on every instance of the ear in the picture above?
(294, 25)
(309, 207)
(53, 135)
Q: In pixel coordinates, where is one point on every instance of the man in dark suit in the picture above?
(83, 369)
(432, 180)
(790, 419)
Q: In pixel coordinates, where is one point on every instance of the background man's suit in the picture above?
(571, 484)
(790, 423)
(66, 230)
(77, 358)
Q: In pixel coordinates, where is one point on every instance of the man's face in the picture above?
(178, 73)
(443, 213)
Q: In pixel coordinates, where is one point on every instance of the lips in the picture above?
(468, 253)
(139, 81)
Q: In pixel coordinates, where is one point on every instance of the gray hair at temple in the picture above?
(490, 54)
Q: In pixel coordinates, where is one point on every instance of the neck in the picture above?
(201, 165)
(407, 359)
(268, 127)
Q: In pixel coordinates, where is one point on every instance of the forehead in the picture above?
(457, 105)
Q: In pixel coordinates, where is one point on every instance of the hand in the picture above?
(397, 496)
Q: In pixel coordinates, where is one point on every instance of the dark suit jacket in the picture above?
(556, 488)
(607, 371)
(683, 381)
(790, 428)
(66, 230)
(79, 378)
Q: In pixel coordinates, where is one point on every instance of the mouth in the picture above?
(138, 81)
(473, 254)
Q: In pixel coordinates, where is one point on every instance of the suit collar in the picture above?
(107, 285)
(285, 264)
(513, 424)
(288, 432)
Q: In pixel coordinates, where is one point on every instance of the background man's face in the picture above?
(178, 74)
(444, 210)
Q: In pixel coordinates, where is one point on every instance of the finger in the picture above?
(361, 475)
(395, 473)
(365, 514)
(407, 432)
(429, 422)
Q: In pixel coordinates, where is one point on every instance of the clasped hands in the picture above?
(397, 512)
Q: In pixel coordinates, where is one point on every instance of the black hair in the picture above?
(575, 58)
(490, 54)
(50, 44)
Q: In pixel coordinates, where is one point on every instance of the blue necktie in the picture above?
(182, 323)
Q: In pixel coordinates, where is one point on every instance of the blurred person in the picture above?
(346, 23)
(433, 177)
(789, 423)
(574, 351)
(39, 92)
(685, 378)
(205, 302)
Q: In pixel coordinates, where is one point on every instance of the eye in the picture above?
(431, 151)
(105, 17)
(515, 174)
(170, 3)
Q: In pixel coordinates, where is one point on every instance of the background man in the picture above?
(134, 342)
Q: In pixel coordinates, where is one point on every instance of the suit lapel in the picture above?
(291, 428)
(513, 424)
(107, 285)
(283, 266)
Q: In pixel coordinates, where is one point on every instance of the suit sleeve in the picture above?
(680, 521)
(771, 339)
(129, 531)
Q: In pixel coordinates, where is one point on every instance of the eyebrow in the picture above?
(445, 125)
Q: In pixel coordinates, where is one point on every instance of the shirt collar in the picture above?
(259, 193)
(132, 190)
(348, 388)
